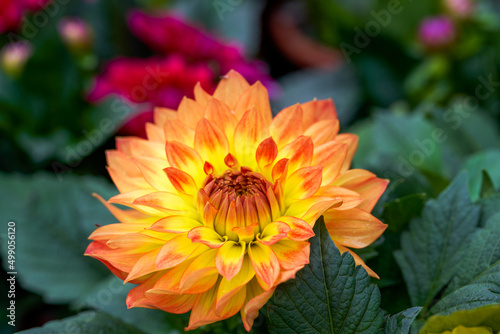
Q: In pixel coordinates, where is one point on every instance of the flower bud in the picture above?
(13, 57)
(436, 33)
(76, 34)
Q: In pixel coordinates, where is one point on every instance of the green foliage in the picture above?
(477, 280)
(475, 164)
(401, 211)
(330, 295)
(401, 323)
(53, 220)
(86, 323)
(432, 250)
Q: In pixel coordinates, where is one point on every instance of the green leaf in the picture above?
(487, 186)
(477, 282)
(408, 138)
(486, 316)
(53, 220)
(431, 251)
(401, 323)
(110, 296)
(329, 295)
(401, 211)
(488, 161)
(85, 323)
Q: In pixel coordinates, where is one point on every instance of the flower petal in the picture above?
(177, 130)
(323, 131)
(186, 159)
(255, 97)
(265, 263)
(274, 232)
(211, 143)
(287, 125)
(318, 110)
(230, 88)
(229, 288)
(207, 236)
(299, 153)
(291, 254)
(175, 251)
(267, 151)
(229, 259)
(350, 199)
(304, 183)
(189, 112)
(352, 144)
(249, 132)
(353, 228)
(311, 208)
(299, 229)
(175, 224)
(181, 181)
(256, 298)
(331, 156)
(364, 183)
(201, 274)
(144, 266)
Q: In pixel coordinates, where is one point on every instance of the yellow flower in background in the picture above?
(470, 330)
(224, 198)
(481, 320)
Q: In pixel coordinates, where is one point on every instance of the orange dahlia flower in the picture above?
(224, 199)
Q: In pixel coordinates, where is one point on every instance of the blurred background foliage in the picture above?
(418, 81)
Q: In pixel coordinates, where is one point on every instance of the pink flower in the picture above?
(461, 8)
(75, 33)
(186, 56)
(437, 32)
(12, 11)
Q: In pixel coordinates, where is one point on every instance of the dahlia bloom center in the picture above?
(245, 202)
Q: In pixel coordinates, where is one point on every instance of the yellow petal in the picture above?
(287, 125)
(206, 236)
(229, 288)
(249, 133)
(230, 88)
(229, 259)
(265, 263)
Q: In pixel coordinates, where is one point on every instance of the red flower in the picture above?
(11, 12)
(186, 56)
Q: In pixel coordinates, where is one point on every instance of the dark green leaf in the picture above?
(53, 221)
(477, 282)
(488, 161)
(401, 323)
(85, 323)
(431, 251)
(487, 186)
(401, 211)
(330, 295)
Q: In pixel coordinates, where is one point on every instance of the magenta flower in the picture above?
(186, 55)
(437, 32)
(12, 11)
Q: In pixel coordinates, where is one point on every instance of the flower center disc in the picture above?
(241, 198)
